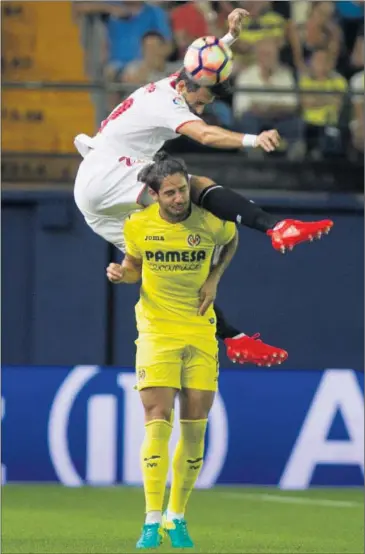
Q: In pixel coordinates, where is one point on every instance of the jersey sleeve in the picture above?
(131, 234)
(176, 113)
(224, 232)
(341, 84)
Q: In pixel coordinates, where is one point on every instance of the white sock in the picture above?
(239, 336)
(154, 517)
(170, 516)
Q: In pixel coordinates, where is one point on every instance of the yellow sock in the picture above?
(155, 462)
(187, 463)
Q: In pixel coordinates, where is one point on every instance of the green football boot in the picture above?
(151, 537)
(178, 532)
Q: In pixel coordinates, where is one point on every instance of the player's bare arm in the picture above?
(235, 20)
(217, 137)
(208, 292)
(128, 272)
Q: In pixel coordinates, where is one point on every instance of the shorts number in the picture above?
(119, 110)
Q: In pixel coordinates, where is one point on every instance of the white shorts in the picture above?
(107, 191)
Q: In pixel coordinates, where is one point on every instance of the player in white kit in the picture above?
(107, 188)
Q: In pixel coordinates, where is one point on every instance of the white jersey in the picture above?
(138, 127)
(107, 188)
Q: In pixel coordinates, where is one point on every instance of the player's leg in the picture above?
(224, 329)
(154, 455)
(158, 367)
(188, 456)
(199, 380)
(187, 462)
(106, 192)
(247, 349)
(158, 403)
(231, 206)
(108, 228)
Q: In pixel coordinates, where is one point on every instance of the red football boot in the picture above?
(288, 233)
(245, 349)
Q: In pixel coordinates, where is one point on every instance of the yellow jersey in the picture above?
(329, 113)
(267, 25)
(176, 261)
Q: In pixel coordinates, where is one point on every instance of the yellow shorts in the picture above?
(170, 362)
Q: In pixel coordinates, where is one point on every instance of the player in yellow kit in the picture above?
(170, 246)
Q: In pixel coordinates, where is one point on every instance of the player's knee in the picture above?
(195, 414)
(195, 404)
(157, 410)
(158, 402)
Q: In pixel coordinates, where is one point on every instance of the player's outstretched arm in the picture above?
(128, 272)
(217, 137)
(235, 22)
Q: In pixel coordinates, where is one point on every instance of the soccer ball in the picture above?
(208, 61)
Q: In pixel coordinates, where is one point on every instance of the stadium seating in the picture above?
(41, 43)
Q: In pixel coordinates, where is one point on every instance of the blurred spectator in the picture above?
(266, 22)
(321, 112)
(321, 30)
(357, 85)
(255, 111)
(357, 122)
(191, 20)
(165, 4)
(219, 113)
(299, 11)
(357, 54)
(154, 65)
(126, 23)
(351, 16)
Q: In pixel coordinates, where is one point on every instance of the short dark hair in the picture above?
(153, 34)
(162, 166)
(220, 91)
(191, 85)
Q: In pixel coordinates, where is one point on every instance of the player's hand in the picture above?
(207, 295)
(235, 20)
(251, 350)
(268, 140)
(115, 273)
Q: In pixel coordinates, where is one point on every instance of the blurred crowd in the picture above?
(288, 55)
